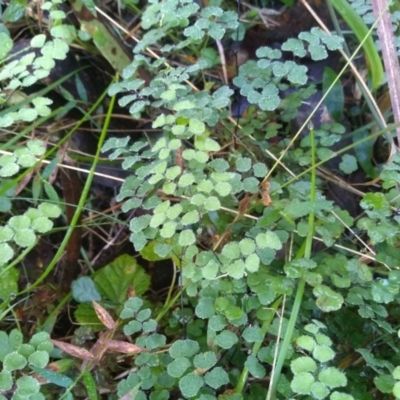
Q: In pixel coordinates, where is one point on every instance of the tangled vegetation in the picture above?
(199, 200)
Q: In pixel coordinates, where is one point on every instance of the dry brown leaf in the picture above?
(120, 346)
(23, 182)
(73, 350)
(97, 350)
(266, 200)
(104, 316)
(178, 157)
(244, 204)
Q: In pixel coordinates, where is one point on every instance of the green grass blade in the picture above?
(361, 31)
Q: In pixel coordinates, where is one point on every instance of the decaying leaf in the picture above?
(73, 350)
(104, 316)
(120, 346)
(266, 200)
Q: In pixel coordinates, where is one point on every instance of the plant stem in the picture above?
(82, 201)
(306, 251)
(256, 347)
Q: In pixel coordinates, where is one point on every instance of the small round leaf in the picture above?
(216, 378)
(190, 385)
(14, 361)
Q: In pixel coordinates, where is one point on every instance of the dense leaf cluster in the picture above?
(253, 238)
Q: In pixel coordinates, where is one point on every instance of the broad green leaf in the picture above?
(114, 279)
(108, 44)
(364, 152)
(384, 383)
(384, 291)
(6, 43)
(297, 209)
(90, 385)
(90, 6)
(327, 299)
(14, 12)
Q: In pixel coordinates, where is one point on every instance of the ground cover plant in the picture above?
(199, 200)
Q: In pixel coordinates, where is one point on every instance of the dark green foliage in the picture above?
(241, 216)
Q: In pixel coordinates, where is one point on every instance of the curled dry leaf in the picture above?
(244, 204)
(23, 182)
(266, 200)
(178, 157)
(120, 346)
(104, 316)
(73, 350)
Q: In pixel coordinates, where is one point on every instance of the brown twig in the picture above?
(390, 57)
